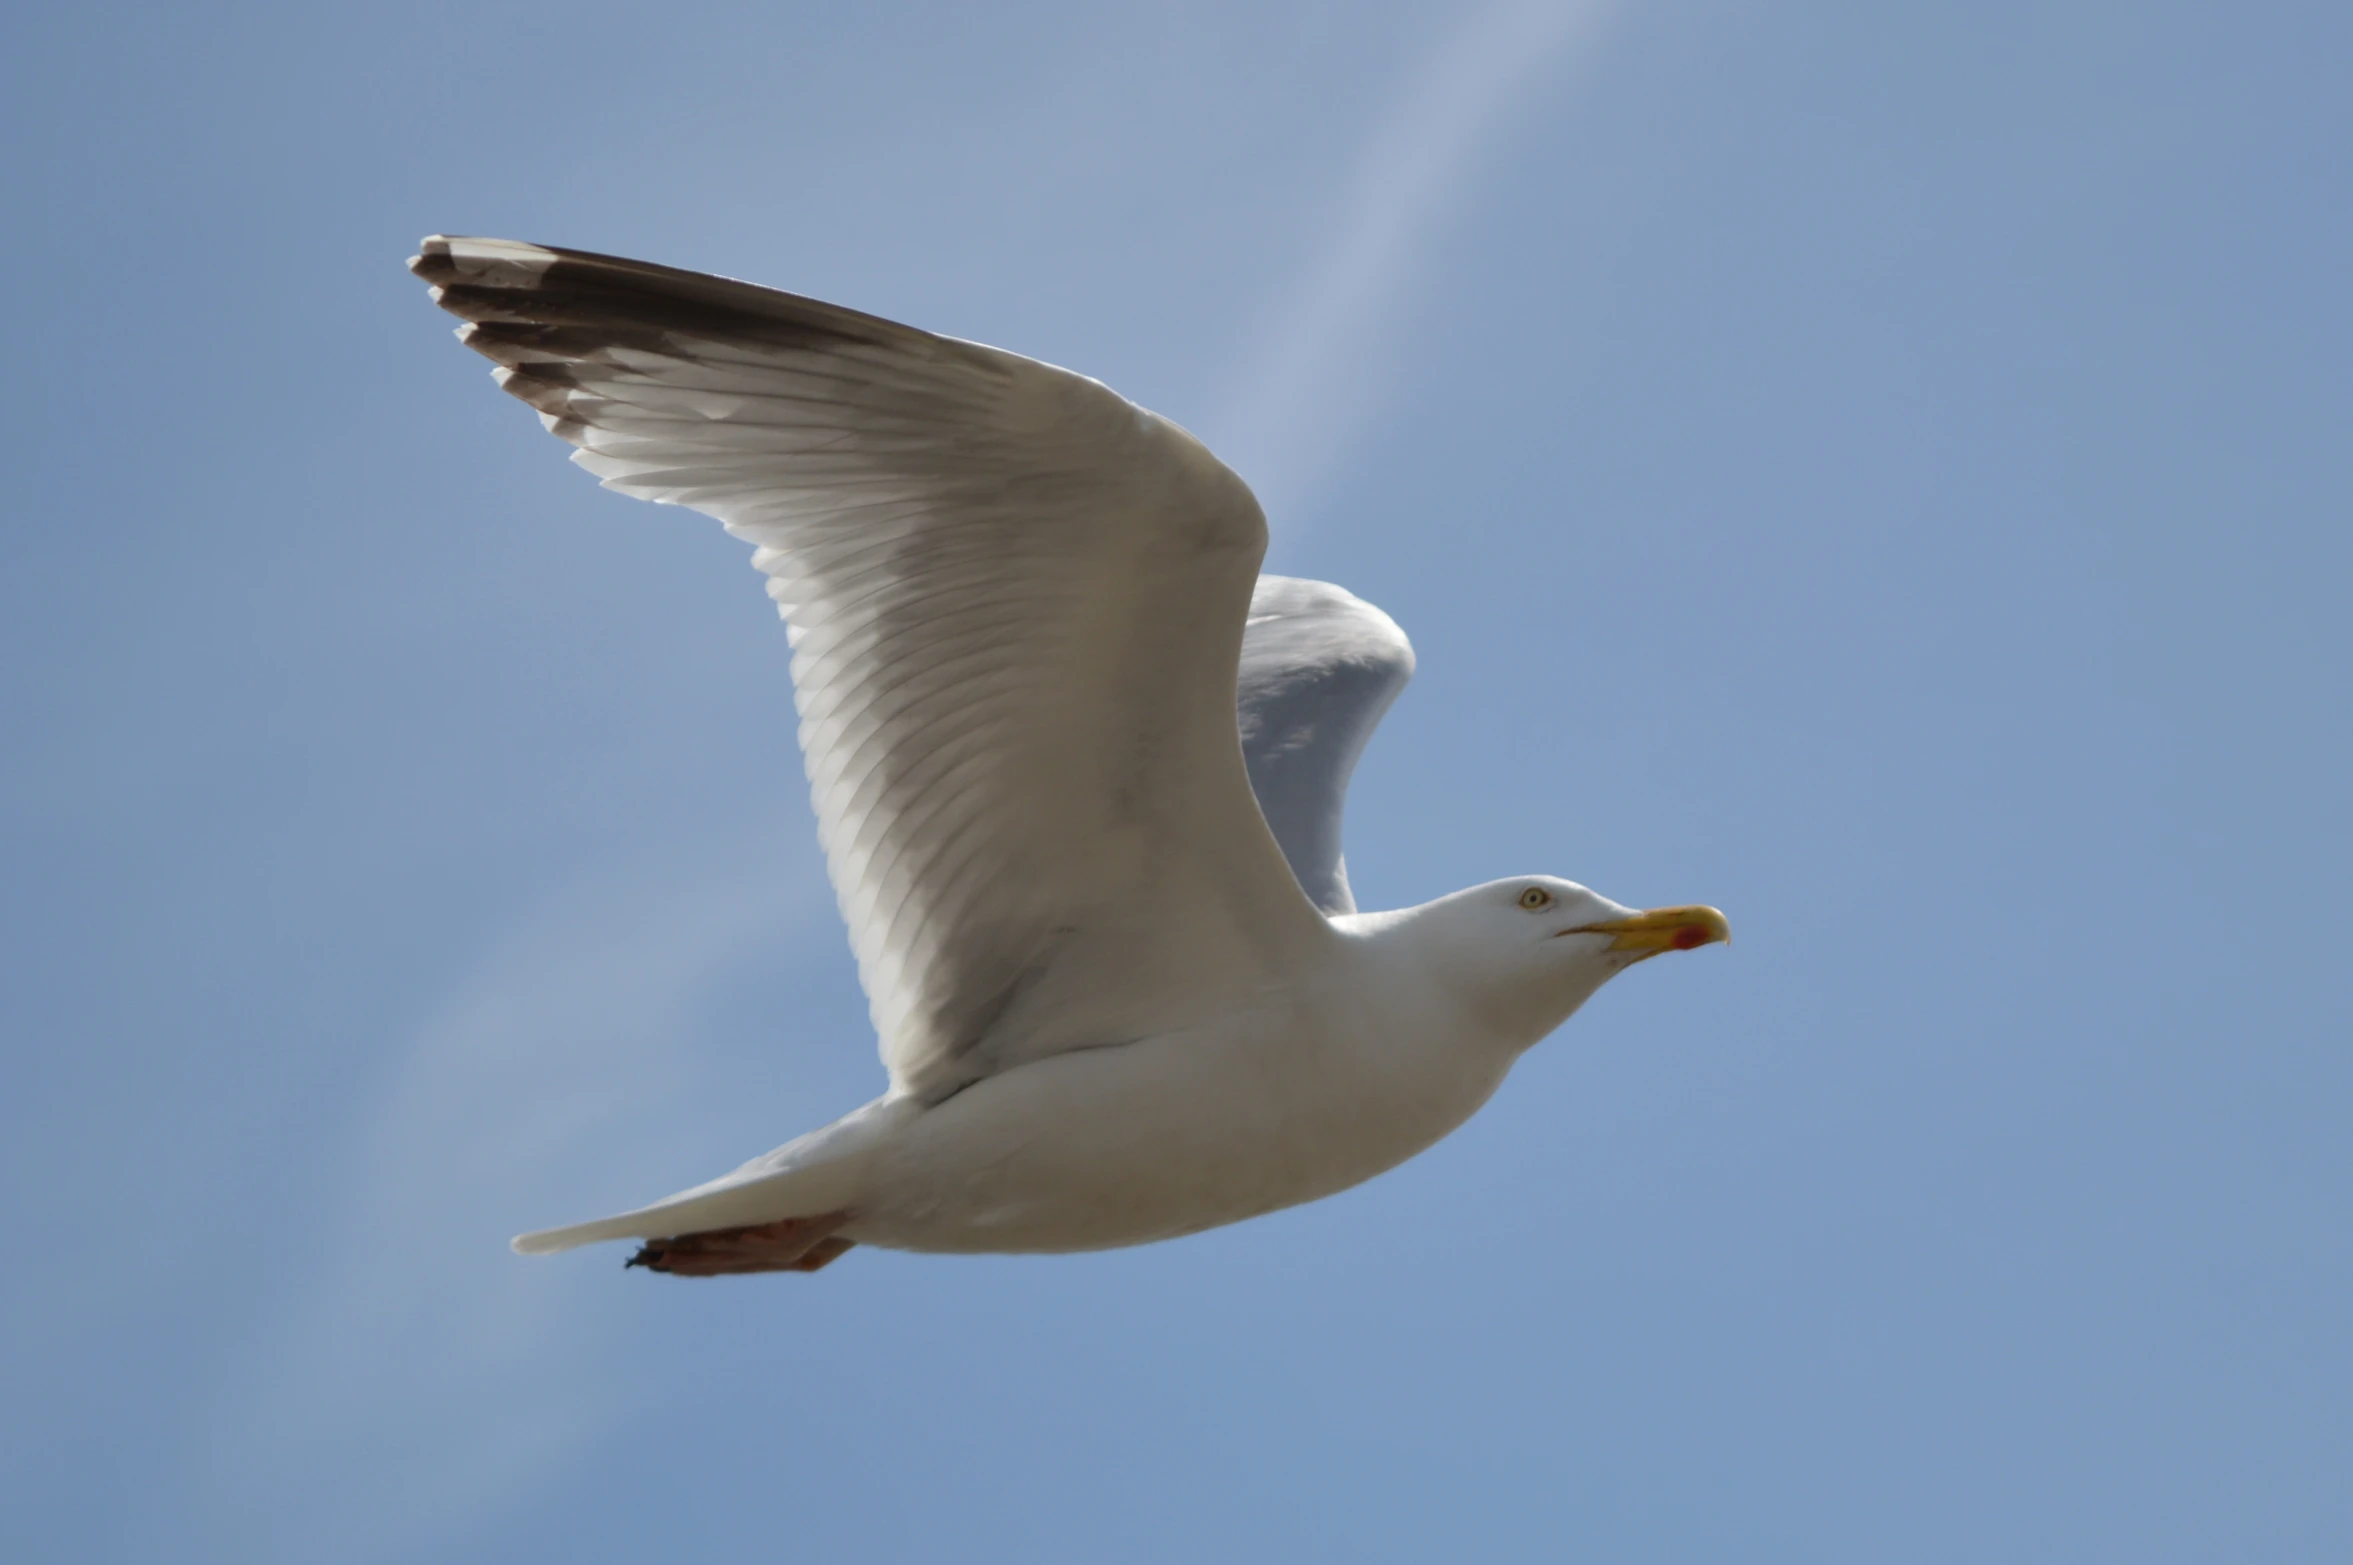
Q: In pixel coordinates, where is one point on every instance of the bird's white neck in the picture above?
(1415, 961)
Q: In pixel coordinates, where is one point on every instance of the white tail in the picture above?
(816, 1173)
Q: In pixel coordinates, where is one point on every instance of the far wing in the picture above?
(1319, 668)
(1016, 606)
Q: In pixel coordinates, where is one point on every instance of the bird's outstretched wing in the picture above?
(1016, 605)
(1319, 668)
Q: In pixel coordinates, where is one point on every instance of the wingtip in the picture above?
(430, 249)
(442, 257)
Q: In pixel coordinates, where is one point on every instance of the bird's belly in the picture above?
(1154, 1139)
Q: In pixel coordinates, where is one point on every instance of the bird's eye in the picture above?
(1535, 899)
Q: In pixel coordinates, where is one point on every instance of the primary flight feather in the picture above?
(1078, 772)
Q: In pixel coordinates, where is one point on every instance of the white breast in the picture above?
(1327, 1084)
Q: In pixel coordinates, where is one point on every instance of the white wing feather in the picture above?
(1016, 605)
(1319, 669)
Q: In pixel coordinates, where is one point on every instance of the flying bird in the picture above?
(1078, 772)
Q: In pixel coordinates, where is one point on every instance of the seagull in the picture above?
(1078, 771)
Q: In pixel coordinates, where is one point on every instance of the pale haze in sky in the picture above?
(1877, 469)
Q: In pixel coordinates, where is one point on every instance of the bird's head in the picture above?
(1529, 950)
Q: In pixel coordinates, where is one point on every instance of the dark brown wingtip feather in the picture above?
(527, 345)
(603, 296)
(547, 387)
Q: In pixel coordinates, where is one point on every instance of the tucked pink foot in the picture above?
(793, 1244)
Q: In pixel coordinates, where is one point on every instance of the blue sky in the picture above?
(1880, 469)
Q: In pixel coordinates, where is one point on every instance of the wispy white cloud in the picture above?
(422, 1371)
(1318, 376)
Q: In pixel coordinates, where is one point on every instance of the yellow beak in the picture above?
(1661, 929)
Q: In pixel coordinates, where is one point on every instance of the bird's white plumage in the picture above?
(1319, 669)
(1015, 602)
(1022, 615)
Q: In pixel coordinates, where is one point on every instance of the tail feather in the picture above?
(819, 1173)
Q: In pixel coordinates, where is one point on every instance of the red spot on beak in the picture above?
(1687, 938)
